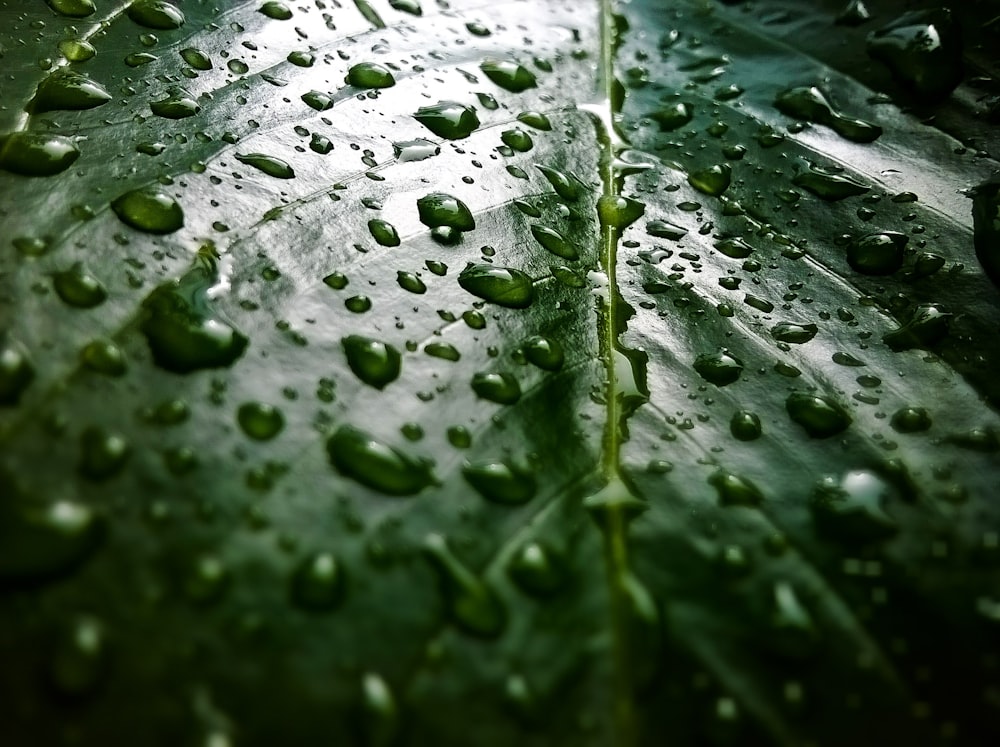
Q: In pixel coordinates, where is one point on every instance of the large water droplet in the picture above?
(509, 75)
(317, 584)
(544, 352)
(383, 232)
(821, 416)
(196, 58)
(448, 119)
(719, 368)
(745, 425)
(537, 570)
(564, 185)
(440, 209)
(712, 181)
(78, 288)
(104, 357)
(66, 89)
(370, 75)
(811, 104)
(150, 210)
(517, 139)
(927, 325)
(501, 482)
(851, 508)
(16, 370)
(375, 363)
(371, 462)
(470, 603)
(793, 332)
(910, 420)
(268, 164)
(501, 388)
(178, 104)
(554, 242)
(877, 253)
(503, 286)
(619, 212)
(734, 490)
(183, 332)
(673, 116)
(36, 154)
(259, 420)
(73, 8)
(275, 10)
(38, 543)
(156, 14)
(923, 50)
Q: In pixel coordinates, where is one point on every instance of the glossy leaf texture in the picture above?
(404, 373)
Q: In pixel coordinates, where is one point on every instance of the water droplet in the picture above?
(443, 350)
(564, 185)
(373, 463)
(448, 119)
(734, 490)
(535, 119)
(554, 242)
(439, 209)
(275, 10)
(501, 388)
(415, 150)
(910, 420)
(150, 210)
(509, 75)
(317, 584)
(407, 6)
(745, 425)
(336, 280)
(410, 282)
(383, 232)
(156, 14)
(811, 104)
(795, 633)
(829, 187)
(673, 116)
(927, 325)
(380, 714)
(544, 352)
(358, 304)
(38, 543)
(268, 164)
(503, 286)
(517, 139)
(36, 154)
(821, 416)
(104, 357)
(877, 253)
(205, 579)
(375, 363)
(923, 50)
(459, 437)
(102, 454)
(77, 50)
(196, 58)
(370, 75)
(854, 13)
(712, 181)
(734, 248)
(851, 508)
(318, 100)
(662, 229)
(501, 482)
(720, 368)
(793, 332)
(469, 602)
(985, 212)
(181, 329)
(66, 89)
(79, 659)
(78, 288)
(73, 8)
(619, 212)
(178, 104)
(260, 421)
(16, 370)
(537, 570)
(301, 59)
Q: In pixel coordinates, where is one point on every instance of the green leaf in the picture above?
(398, 373)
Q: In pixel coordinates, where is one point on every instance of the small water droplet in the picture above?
(503, 286)
(260, 421)
(196, 58)
(78, 288)
(370, 75)
(910, 420)
(877, 253)
(317, 583)
(275, 10)
(537, 570)
(793, 332)
(563, 184)
(104, 357)
(745, 425)
(672, 117)
(734, 490)
(720, 368)
(178, 104)
(544, 352)
(150, 210)
(851, 508)
(712, 181)
(501, 388)
(102, 454)
(517, 139)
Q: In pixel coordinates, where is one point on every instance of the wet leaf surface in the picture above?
(386, 373)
